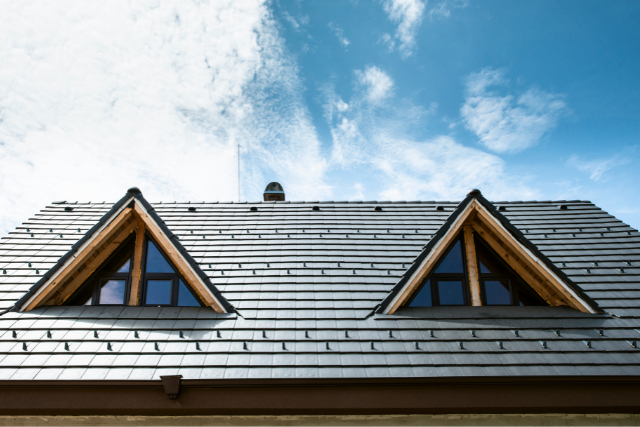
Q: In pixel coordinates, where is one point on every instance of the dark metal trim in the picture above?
(595, 394)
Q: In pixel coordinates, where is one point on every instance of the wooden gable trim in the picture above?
(183, 267)
(548, 285)
(427, 265)
(87, 260)
(136, 268)
(92, 255)
(531, 269)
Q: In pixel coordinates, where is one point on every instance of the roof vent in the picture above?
(563, 207)
(377, 208)
(440, 208)
(502, 208)
(316, 208)
(192, 209)
(68, 208)
(253, 208)
(274, 193)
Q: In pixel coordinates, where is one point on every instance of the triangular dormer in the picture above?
(129, 258)
(479, 258)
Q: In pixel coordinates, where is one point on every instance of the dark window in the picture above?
(447, 285)
(499, 284)
(163, 286)
(110, 284)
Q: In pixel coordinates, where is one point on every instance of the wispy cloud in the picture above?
(339, 32)
(443, 8)
(377, 83)
(296, 23)
(597, 168)
(408, 15)
(374, 140)
(508, 123)
(152, 95)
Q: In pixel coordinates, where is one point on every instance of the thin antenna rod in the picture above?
(238, 171)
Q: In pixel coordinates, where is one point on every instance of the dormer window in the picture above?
(448, 284)
(111, 284)
(499, 285)
(162, 285)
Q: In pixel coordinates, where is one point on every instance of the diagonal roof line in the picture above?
(132, 196)
(516, 234)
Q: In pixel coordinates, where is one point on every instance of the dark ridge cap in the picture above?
(60, 202)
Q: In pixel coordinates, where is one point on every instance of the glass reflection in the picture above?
(497, 292)
(423, 298)
(451, 292)
(453, 262)
(158, 292)
(185, 297)
(155, 261)
(112, 292)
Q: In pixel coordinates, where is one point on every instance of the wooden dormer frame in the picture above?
(476, 218)
(131, 217)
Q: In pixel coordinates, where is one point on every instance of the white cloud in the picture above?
(98, 97)
(508, 123)
(296, 23)
(599, 167)
(339, 32)
(441, 168)
(378, 84)
(408, 15)
(375, 141)
(442, 9)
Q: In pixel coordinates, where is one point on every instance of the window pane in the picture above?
(112, 292)
(185, 297)
(155, 261)
(125, 267)
(158, 292)
(453, 262)
(497, 292)
(88, 301)
(423, 298)
(451, 292)
(488, 262)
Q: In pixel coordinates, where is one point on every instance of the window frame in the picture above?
(175, 278)
(512, 276)
(436, 277)
(97, 278)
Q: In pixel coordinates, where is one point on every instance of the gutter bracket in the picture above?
(172, 385)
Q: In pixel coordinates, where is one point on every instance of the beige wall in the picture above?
(312, 420)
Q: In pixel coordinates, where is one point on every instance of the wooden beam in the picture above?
(526, 266)
(176, 258)
(87, 260)
(472, 266)
(431, 260)
(136, 269)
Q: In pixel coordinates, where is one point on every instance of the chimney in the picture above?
(274, 193)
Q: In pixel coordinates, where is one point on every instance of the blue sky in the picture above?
(337, 100)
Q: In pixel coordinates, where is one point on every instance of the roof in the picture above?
(306, 283)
